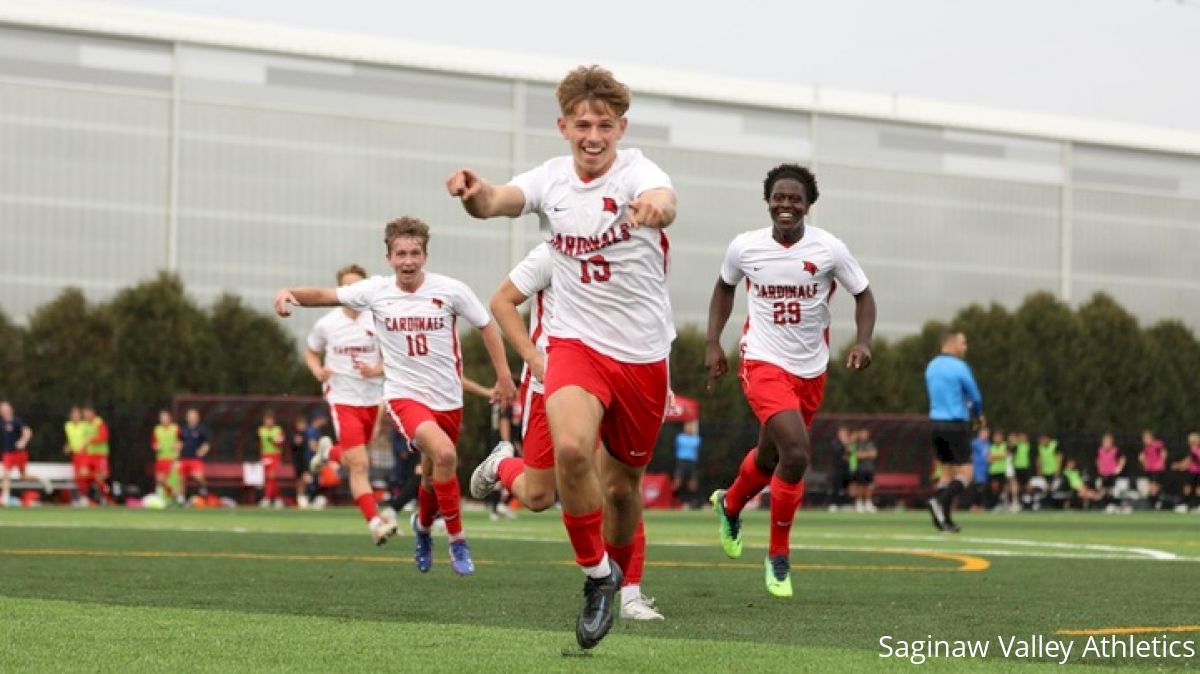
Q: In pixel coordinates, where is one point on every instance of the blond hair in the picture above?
(406, 227)
(350, 269)
(592, 84)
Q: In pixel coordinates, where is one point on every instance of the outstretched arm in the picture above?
(482, 199)
(864, 321)
(304, 297)
(719, 308)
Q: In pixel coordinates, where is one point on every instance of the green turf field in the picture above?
(116, 590)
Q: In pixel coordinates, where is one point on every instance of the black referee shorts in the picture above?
(952, 441)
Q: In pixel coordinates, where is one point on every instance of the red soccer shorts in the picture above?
(634, 395)
(536, 447)
(191, 467)
(162, 467)
(408, 415)
(79, 461)
(271, 462)
(18, 459)
(354, 424)
(98, 464)
(771, 389)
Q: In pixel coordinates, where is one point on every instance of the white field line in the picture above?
(1020, 547)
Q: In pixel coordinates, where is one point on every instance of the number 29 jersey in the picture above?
(609, 277)
(418, 334)
(788, 289)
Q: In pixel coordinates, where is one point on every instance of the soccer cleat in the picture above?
(484, 480)
(382, 528)
(951, 528)
(731, 527)
(779, 577)
(423, 552)
(460, 558)
(318, 461)
(596, 618)
(935, 511)
(640, 608)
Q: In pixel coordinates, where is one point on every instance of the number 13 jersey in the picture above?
(788, 289)
(609, 277)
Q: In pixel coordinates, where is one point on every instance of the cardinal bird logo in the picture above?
(810, 268)
(610, 205)
(438, 303)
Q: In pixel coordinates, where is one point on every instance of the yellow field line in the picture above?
(1099, 631)
(966, 562)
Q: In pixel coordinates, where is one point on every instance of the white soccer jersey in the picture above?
(610, 278)
(789, 289)
(346, 342)
(533, 278)
(418, 335)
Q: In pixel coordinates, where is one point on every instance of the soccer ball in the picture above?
(154, 502)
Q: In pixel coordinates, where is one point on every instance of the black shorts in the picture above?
(1157, 477)
(864, 476)
(952, 442)
(1108, 481)
(300, 460)
(1023, 475)
(685, 470)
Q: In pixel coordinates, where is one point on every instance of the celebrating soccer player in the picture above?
(416, 316)
(612, 331)
(791, 270)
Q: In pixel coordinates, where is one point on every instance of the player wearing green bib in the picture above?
(97, 451)
(270, 448)
(78, 432)
(166, 441)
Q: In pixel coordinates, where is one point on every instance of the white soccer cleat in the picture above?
(321, 458)
(640, 607)
(382, 528)
(485, 480)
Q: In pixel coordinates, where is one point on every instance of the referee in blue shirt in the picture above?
(953, 399)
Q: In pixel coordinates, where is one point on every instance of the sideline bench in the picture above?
(901, 487)
(48, 476)
(230, 476)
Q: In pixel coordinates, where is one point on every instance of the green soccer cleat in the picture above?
(779, 577)
(731, 527)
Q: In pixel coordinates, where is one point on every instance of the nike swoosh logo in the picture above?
(637, 453)
(594, 623)
(557, 209)
(756, 268)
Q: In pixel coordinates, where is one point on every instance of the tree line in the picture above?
(1043, 367)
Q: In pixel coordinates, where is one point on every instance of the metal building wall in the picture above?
(247, 171)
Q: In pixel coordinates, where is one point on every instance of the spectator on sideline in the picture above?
(1153, 459)
(687, 457)
(997, 469)
(77, 432)
(1190, 464)
(980, 446)
(195, 438)
(1109, 465)
(301, 456)
(97, 451)
(865, 455)
(839, 468)
(14, 443)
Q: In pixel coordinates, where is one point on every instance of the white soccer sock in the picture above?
(630, 592)
(601, 570)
